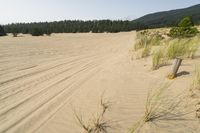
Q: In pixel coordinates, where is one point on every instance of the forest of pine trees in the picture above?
(75, 26)
(2, 32)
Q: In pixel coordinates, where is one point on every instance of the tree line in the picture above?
(73, 26)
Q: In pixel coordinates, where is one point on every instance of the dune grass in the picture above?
(146, 52)
(169, 48)
(175, 48)
(141, 42)
(158, 58)
(146, 40)
(182, 48)
(160, 108)
(97, 124)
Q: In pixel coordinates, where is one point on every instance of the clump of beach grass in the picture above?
(160, 108)
(175, 48)
(146, 52)
(141, 42)
(182, 48)
(158, 58)
(97, 124)
(146, 39)
(192, 47)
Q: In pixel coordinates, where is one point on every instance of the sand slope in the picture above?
(44, 79)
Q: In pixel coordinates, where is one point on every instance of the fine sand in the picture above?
(44, 80)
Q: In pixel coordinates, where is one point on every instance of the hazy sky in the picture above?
(52, 10)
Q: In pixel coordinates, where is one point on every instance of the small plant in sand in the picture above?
(158, 58)
(97, 124)
(160, 108)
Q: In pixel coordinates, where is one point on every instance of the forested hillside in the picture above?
(170, 18)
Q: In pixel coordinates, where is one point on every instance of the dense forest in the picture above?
(76, 26)
(155, 20)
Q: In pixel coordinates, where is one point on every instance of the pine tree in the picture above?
(2, 32)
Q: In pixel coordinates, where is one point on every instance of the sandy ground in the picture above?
(44, 80)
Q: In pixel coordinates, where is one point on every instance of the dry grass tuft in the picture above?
(160, 108)
(146, 52)
(182, 48)
(158, 58)
(97, 124)
(146, 40)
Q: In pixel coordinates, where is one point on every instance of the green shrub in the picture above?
(15, 32)
(37, 32)
(186, 22)
(2, 32)
(184, 29)
(183, 32)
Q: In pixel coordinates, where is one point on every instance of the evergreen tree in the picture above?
(2, 32)
(37, 32)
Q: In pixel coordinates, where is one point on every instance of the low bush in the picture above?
(185, 29)
(183, 32)
(2, 32)
(37, 32)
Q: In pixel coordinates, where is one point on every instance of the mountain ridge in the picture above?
(169, 18)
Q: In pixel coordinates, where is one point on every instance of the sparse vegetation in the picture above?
(158, 58)
(182, 48)
(146, 39)
(97, 124)
(146, 52)
(159, 108)
(166, 49)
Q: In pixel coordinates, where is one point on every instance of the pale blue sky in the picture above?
(54, 10)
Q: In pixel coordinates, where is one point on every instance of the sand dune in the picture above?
(44, 79)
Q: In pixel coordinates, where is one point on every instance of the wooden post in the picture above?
(175, 66)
